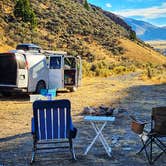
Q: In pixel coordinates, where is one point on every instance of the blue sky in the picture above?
(152, 11)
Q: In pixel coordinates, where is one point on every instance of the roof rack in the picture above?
(54, 52)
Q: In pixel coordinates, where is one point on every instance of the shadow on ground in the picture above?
(15, 97)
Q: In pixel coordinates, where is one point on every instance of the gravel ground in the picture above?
(127, 93)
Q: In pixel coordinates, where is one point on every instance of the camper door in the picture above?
(22, 72)
(55, 72)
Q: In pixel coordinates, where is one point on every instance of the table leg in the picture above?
(102, 139)
(98, 134)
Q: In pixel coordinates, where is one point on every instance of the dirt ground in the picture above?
(127, 93)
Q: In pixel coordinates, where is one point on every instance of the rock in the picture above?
(110, 111)
(88, 110)
(101, 111)
(126, 148)
(116, 111)
(115, 139)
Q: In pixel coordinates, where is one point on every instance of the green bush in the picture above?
(123, 69)
(23, 12)
(119, 70)
(102, 72)
(86, 69)
(86, 5)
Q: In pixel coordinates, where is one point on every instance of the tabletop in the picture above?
(99, 118)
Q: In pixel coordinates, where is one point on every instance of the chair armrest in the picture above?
(139, 121)
(147, 122)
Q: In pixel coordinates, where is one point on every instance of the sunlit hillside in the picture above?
(159, 45)
(141, 53)
(106, 44)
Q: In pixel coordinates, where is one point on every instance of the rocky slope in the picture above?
(101, 38)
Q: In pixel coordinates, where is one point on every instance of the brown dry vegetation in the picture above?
(142, 54)
(159, 45)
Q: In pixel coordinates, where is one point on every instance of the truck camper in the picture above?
(30, 72)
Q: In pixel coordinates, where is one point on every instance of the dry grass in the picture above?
(142, 54)
(4, 48)
(16, 112)
(161, 44)
(99, 52)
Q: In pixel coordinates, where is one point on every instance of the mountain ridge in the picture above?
(146, 31)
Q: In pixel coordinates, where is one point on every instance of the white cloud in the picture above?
(108, 5)
(146, 13)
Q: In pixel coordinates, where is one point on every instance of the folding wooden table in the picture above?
(98, 123)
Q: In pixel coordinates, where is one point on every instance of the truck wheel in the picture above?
(73, 89)
(40, 85)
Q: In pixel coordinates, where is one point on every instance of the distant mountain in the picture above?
(146, 31)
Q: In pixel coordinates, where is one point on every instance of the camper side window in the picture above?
(55, 62)
(69, 63)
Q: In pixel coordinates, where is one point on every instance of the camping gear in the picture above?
(52, 124)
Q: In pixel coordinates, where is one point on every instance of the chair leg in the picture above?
(33, 152)
(149, 142)
(72, 149)
(151, 151)
(33, 157)
(161, 145)
(144, 146)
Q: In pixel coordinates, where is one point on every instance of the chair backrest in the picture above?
(159, 119)
(52, 119)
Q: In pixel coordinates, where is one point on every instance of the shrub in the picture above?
(149, 72)
(86, 5)
(119, 70)
(86, 69)
(102, 72)
(23, 12)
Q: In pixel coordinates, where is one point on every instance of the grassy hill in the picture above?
(102, 39)
(159, 45)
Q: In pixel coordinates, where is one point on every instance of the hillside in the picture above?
(146, 31)
(102, 39)
(61, 25)
(159, 45)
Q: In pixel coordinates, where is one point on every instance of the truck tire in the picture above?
(73, 89)
(40, 85)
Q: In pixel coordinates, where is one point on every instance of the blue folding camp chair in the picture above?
(52, 123)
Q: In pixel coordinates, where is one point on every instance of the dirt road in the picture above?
(128, 93)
